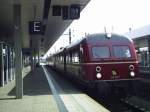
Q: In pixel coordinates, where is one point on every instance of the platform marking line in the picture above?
(59, 102)
(75, 102)
(89, 104)
(71, 104)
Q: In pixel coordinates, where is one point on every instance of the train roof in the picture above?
(75, 43)
(107, 37)
(93, 38)
(101, 37)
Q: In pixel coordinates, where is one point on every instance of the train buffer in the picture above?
(45, 93)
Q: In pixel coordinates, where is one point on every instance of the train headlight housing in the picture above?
(132, 74)
(98, 75)
(98, 69)
(131, 67)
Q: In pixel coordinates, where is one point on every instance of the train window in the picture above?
(56, 59)
(75, 57)
(121, 51)
(67, 58)
(100, 52)
(61, 58)
(70, 54)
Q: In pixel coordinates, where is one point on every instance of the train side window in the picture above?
(58, 58)
(61, 58)
(67, 58)
(75, 57)
(70, 54)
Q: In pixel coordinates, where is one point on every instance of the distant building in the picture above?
(139, 33)
(141, 38)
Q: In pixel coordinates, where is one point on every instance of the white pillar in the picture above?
(6, 50)
(38, 56)
(18, 50)
(9, 63)
(13, 64)
(1, 65)
(32, 62)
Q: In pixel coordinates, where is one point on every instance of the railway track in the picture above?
(137, 101)
(134, 103)
(116, 103)
(132, 107)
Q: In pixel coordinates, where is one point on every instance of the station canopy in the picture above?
(50, 17)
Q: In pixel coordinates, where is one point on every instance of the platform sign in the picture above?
(75, 12)
(35, 27)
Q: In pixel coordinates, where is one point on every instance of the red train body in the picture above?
(99, 57)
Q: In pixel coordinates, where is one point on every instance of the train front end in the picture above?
(111, 59)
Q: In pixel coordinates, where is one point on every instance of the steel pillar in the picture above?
(18, 50)
(6, 50)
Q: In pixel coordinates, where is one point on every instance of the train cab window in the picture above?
(101, 52)
(122, 52)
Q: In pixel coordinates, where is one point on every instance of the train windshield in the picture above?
(100, 52)
(122, 52)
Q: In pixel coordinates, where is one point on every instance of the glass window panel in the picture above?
(122, 52)
(100, 52)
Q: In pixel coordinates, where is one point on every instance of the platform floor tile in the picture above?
(43, 103)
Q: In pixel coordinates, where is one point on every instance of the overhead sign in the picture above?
(68, 12)
(75, 12)
(35, 27)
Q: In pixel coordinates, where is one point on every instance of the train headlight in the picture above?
(98, 75)
(131, 67)
(98, 69)
(132, 74)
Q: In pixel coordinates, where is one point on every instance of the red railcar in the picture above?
(99, 57)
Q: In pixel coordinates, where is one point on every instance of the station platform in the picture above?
(46, 92)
